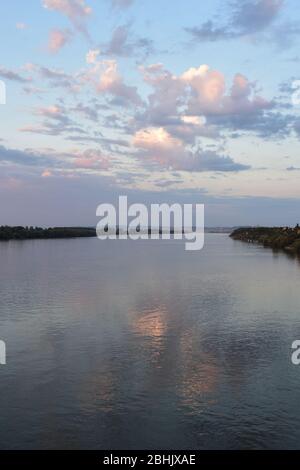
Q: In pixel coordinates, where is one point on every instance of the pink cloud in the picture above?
(92, 159)
(199, 91)
(209, 95)
(208, 86)
(156, 138)
(161, 149)
(76, 10)
(57, 40)
(47, 174)
(105, 77)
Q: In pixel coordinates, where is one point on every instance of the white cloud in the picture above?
(92, 56)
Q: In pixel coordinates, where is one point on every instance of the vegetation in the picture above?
(27, 233)
(278, 238)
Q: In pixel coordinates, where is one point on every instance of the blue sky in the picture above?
(160, 100)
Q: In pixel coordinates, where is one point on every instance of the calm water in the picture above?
(123, 344)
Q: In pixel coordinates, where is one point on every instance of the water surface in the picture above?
(133, 345)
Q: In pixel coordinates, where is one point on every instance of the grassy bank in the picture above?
(278, 238)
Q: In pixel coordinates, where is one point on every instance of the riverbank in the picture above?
(31, 233)
(277, 238)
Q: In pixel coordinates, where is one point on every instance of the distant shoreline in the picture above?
(8, 233)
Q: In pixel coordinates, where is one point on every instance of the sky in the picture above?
(159, 100)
